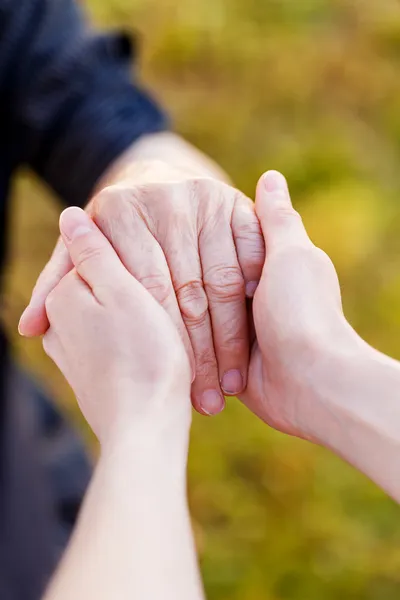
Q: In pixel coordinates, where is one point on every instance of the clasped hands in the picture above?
(144, 304)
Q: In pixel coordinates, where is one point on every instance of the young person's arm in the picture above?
(359, 395)
(310, 374)
(127, 365)
(133, 538)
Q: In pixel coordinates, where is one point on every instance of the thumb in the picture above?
(93, 256)
(280, 223)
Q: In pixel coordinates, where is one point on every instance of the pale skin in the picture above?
(310, 373)
(193, 241)
(310, 376)
(134, 529)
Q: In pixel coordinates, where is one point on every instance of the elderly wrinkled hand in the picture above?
(196, 245)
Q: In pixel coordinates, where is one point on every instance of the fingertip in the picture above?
(74, 222)
(274, 181)
(209, 404)
(25, 322)
(21, 327)
(249, 242)
(272, 191)
(33, 322)
(67, 213)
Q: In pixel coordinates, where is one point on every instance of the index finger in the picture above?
(94, 258)
(34, 320)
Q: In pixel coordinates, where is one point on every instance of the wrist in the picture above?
(161, 439)
(362, 409)
(146, 468)
(158, 156)
(355, 392)
(327, 384)
(144, 171)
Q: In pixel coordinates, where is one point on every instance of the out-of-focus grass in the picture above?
(311, 88)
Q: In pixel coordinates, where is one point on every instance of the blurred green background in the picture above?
(310, 87)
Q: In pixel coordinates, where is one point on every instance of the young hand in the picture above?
(114, 343)
(299, 322)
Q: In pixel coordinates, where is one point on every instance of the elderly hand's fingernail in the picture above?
(251, 288)
(275, 182)
(232, 382)
(212, 402)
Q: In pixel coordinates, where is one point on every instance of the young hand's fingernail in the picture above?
(21, 323)
(232, 382)
(251, 288)
(34, 304)
(74, 222)
(274, 182)
(212, 402)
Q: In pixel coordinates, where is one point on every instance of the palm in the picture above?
(295, 303)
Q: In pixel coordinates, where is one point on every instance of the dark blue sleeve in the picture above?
(67, 95)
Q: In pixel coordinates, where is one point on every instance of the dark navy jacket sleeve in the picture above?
(68, 104)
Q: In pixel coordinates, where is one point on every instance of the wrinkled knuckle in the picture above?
(196, 185)
(254, 256)
(235, 348)
(158, 286)
(204, 185)
(249, 239)
(193, 302)
(252, 252)
(206, 364)
(153, 194)
(103, 200)
(225, 283)
(212, 197)
(111, 203)
(248, 230)
(234, 341)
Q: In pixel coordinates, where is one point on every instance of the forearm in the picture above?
(134, 538)
(360, 397)
(164, 147)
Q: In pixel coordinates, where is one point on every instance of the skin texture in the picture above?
(297, 314)
(99, 310)
(123, 357)
(310, 375)
(193, 241)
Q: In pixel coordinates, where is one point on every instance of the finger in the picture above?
(94, 258)
(181, 250)
(142, 256)
(225, 289)
(34, 321)
(280, 223)
(64, 305)
(68, 299)
(249, 242)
